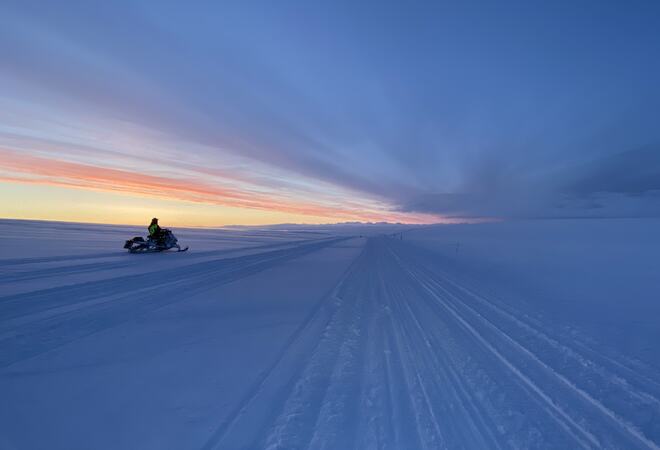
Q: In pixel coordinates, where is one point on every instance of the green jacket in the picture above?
(154, 229)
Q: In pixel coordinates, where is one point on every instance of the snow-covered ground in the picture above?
(539, 334)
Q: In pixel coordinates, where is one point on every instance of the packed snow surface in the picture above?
(539, 334)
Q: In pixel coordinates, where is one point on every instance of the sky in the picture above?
(220, 112)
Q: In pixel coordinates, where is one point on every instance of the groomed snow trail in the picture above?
(395, 354)
(399, 355)
(38, 321)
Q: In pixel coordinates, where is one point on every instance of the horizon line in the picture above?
(210, 227)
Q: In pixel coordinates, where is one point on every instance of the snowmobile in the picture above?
(165, 241)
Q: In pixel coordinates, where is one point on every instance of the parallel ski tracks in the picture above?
(319, 320)
(39, 321)
(400, 355)
(13, 270)
(591, 423)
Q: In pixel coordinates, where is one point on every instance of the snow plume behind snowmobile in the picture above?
(166, 241)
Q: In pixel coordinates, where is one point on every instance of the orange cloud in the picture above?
(21, 168)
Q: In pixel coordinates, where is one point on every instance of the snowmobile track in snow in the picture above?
(39, 321)
(400, 355)
(397, 354)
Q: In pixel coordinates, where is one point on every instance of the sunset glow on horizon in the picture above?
(89, 193)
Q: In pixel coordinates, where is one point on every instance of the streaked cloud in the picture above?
(20, 168)
(416, 112)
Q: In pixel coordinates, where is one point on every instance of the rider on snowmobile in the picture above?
(155, 231)
(160, 239)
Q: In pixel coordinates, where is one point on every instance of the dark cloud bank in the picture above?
(625, 184)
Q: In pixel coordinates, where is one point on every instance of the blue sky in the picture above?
(331, 111)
